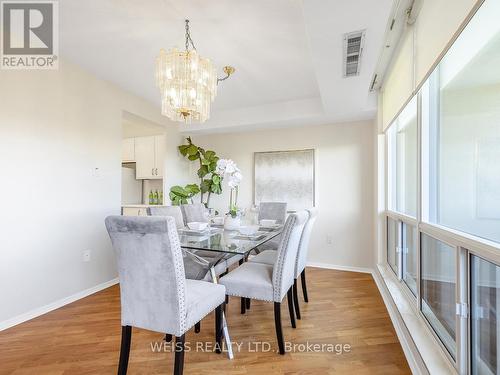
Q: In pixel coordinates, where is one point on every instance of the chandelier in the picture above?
(187, 82)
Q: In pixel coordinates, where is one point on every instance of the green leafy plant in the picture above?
(233, 198)
(233, 211)
(210, 181)
(183, 195)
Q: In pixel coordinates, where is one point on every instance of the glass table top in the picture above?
(220, 240)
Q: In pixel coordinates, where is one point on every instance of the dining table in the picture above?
(222, 244)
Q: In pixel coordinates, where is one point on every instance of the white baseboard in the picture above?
(340, 268)
(55, 305)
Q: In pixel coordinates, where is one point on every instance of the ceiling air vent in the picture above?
(353, 48)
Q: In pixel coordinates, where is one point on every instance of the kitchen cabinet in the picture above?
(134, 211)
(128, 150)
(149, 157)
(160, 150)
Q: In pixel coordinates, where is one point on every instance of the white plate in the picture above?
(249, 230)
(272, 226)
(197, 225)
(267, 222)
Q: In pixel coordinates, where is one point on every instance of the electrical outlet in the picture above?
(86, 255)
(329, 239)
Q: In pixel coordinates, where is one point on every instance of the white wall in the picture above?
(344, 183)
(56, 127)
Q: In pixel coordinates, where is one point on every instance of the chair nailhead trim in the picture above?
(179, 273)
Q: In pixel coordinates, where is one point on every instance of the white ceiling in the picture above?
(287, 53)
(135, 126)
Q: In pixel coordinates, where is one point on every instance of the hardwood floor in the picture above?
(343, 308)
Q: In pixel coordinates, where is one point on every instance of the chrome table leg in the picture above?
(224, 323)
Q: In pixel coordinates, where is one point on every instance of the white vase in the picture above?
(232, 223)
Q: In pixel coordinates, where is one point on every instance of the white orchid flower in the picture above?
(237, 175)
(228, 169)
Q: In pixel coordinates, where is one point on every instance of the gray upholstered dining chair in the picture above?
(194, 212)
(273, 211)
(271, 282)
(198, 212)
(154, 292)
(195, 267)
(173, 211)
(269, 257)
(197, 263)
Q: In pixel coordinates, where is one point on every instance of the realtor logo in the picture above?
(29, 35)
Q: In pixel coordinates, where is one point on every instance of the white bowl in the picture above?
(267, 222)
(219, 220)
(249, 229)
(197, 225)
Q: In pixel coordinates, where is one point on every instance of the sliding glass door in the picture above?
(402, 145)
(485, 303)
(439, 289)
(410, 257)
(393, 244)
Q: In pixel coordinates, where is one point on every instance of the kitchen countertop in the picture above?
(142, 205)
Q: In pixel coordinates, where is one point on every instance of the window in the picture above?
(393, 244)
(403, 154)
(410, 259)
(443, 240)
(462, 111)
(485, 302)
(439, 289)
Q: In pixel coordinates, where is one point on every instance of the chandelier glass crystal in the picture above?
(187, 83)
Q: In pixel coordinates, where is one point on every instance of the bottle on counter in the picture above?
(151, 197)
(155, 197)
